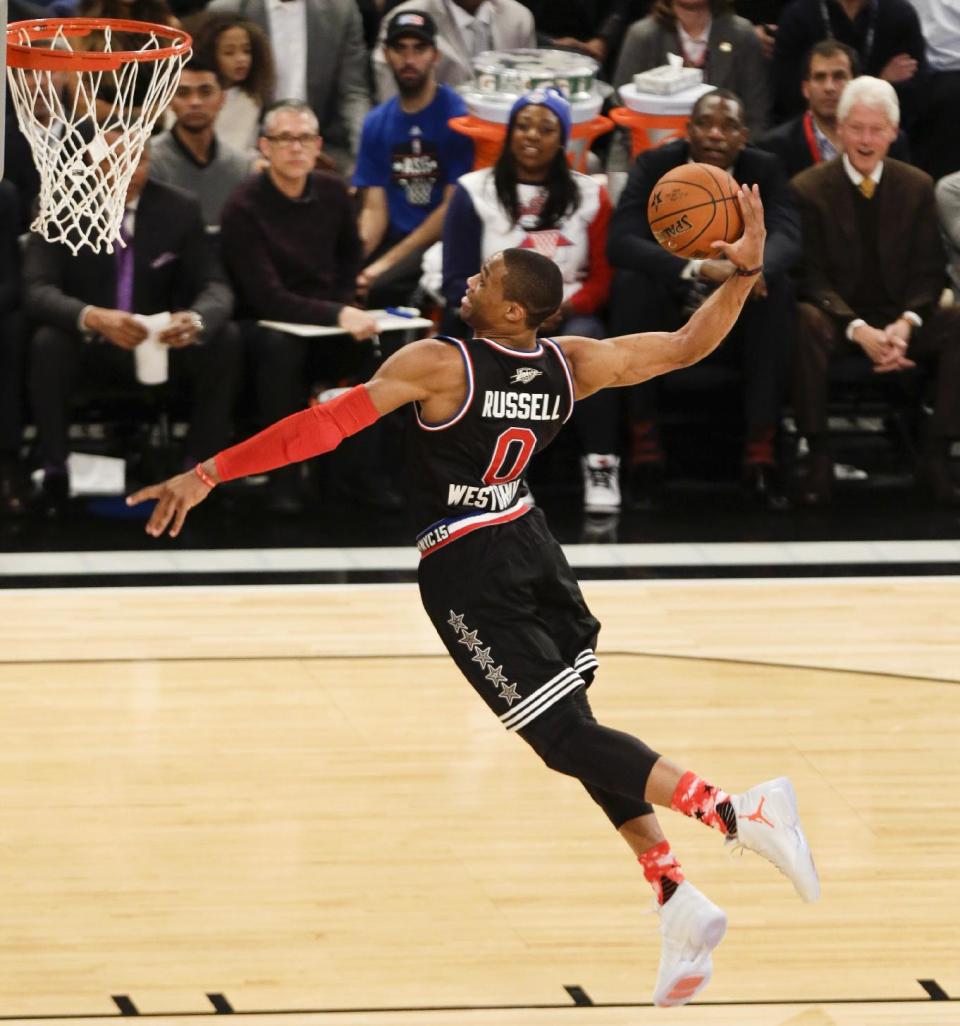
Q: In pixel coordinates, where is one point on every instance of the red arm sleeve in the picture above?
(595, 290)
(308, 433)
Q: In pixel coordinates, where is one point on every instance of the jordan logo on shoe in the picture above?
(757, 816)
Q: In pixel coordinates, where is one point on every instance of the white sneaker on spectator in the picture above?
(691, 926)
(768, 822)
(601, 483)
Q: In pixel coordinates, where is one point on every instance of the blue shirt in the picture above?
(413, 157)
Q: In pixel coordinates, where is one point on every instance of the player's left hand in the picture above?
(747, 251)
(175, 498)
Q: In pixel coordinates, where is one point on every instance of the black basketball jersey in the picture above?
(467, 472)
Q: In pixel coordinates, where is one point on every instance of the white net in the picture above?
(87, 130)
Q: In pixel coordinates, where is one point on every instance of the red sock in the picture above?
(696, 798)
(760, 445)
(662, 870)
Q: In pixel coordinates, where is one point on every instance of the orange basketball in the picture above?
(692, 206)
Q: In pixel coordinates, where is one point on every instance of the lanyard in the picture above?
(871, 29)
(811, 138)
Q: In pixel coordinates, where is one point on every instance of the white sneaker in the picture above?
(768, 822)
(691, 927)
(601, 483)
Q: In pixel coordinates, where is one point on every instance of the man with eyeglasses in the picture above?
(290, 242)
(190, 155)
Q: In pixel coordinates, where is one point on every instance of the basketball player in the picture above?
(495, 583)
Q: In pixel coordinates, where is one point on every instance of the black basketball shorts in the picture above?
(509, 609)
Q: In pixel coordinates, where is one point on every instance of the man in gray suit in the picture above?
(708, 36)
(464, 29)
(321, 59)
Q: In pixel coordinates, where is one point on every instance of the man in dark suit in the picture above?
(885, 33)
(811, 137)
(654, 290)
(872, 275)
(83, 311)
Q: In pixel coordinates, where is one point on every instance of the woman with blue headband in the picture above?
(532, 199)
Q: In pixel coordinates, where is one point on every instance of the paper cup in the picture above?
(152, 362)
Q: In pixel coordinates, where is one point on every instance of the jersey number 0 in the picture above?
(511, 455)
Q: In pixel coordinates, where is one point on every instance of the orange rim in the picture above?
(24, 55)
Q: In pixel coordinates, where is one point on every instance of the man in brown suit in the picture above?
(873, 271)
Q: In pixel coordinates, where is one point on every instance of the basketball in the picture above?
(692, 206)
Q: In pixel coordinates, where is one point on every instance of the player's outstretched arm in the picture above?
(413, 374)
(630, 359)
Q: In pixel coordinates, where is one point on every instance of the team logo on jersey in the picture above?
(546, 242)
(525, 375)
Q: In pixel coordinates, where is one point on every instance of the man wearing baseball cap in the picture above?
(463, 29)
(408, 163)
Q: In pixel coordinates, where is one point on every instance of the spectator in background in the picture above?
(765, 16)
(156, 11)
(593, 27)
(937, 139)
(710, 37)
(408, 164)
(948, 204)
(464, 29)
(321, 61)
(82, 307)
(655, 290)
(12, 483)
(811, 137)
(239, 51)
(872, 274)
(190, 155)
(290, 242)
(885, 34)
(533, 200)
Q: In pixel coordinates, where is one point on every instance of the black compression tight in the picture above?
(611, 765)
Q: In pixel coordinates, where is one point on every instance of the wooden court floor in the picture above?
(285, 803)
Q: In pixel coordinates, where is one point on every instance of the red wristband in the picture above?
(204, 476)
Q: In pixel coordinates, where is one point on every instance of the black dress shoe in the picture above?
(762, 487)
(934, 478)
(54, 495)
(645, 485)
(284, 495)
(369, 489)
(13, 489)
(816, 486)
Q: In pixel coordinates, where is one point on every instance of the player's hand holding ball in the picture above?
(698, 212)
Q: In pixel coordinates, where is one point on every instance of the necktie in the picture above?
(124, 256)
(868, 187)
(482, 38)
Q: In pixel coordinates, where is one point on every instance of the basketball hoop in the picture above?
(87, 115)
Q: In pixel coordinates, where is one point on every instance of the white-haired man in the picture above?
(873, 271)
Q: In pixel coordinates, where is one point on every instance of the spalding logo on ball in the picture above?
(692, 206)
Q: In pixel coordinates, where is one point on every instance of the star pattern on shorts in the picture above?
(483, 657)
(456, 621)
(470, 639)
(509, 693)
(495, 675)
